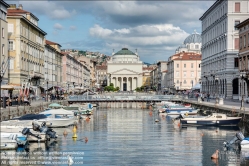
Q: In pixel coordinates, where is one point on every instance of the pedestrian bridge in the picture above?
(123, 100)
(120, 97)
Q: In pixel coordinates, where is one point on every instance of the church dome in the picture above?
(193, 38)
(124, 51)
(182, 46)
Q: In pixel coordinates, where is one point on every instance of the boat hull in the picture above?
(176, 112)
(226, 122)
(245, 144)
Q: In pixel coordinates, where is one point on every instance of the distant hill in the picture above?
(146, 63)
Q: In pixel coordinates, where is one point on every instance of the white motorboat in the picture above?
(21, 138)
(216, 119)
(33, 134)
(176, 109)
(245, 144)
(49, 117)
(9, 143)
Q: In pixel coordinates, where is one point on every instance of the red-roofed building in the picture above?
(184, 71)
(26, 49)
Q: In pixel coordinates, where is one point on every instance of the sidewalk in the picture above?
(228, 104)
(36, 107)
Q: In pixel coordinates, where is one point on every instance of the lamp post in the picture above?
(217, 88)
(47, 90)
(68, 88)
(242, 76)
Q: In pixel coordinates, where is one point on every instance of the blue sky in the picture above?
(155, 28)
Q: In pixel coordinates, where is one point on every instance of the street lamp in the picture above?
(47, 89)
(217, 87)
(242, 76)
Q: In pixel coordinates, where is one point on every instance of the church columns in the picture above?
(121, 87)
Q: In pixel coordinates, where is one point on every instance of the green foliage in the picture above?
(117, 88)
(111, 84)
(109, 88)
(138, 89)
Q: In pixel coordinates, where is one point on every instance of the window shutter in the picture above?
(237, 7)
(14, 46)
(11, 64)
(236, 43)
(10, 28)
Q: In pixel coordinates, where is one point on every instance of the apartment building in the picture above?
(243, 28)
(26, 48)
(53, 65)
(220, 47)
(101, 72)
(161, 77)
(184, 71)
(72, 72)
(4, 43)
(146, 76)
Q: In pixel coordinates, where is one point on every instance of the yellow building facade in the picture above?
(26, 46)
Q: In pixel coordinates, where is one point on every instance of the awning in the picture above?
(197, 86)
(7, 87)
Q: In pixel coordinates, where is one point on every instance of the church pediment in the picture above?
(124, 71)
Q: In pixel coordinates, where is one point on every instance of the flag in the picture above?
(21, 92)
(27, 93)
(25, 89)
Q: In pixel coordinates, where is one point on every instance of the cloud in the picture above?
(53, 10)
(143, 35)
(58, 26)
(72, 27)
(159, 40)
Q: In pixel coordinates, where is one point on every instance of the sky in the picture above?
(154, 28)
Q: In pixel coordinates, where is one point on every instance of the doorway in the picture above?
(124, 87)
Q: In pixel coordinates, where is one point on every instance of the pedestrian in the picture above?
(208, 97)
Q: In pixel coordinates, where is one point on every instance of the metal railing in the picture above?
(127, 97)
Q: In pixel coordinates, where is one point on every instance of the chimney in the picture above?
(20, 6)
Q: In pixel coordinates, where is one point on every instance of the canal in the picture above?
(126, 137)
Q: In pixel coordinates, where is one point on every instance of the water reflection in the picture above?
(133, 137)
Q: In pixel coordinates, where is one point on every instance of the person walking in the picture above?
(208, 97)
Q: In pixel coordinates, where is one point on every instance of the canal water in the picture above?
(127, 137)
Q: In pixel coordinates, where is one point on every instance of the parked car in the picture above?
(247, 100)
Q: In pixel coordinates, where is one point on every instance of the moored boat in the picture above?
(216, 119)
(176, 109)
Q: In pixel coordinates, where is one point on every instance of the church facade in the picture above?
(125, 70)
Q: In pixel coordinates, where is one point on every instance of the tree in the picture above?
(111, 84)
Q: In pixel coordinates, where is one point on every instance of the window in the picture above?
(236, 22)
(184, 65)
(244, 41)
(177, 74)
(10, 28)
(199, 65)
(248, 39)
(237, 7)
(177, 65)
(177, 81)
(11, 64)
(2, 32)
(11, 45)
(196, 46)
(184, 74)
(192, 74)
(192, 65)
(240, 42)
(236, 43)
(184, 81)
(236, 62)
(3, 50)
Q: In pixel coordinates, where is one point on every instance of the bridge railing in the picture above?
(128, 97)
